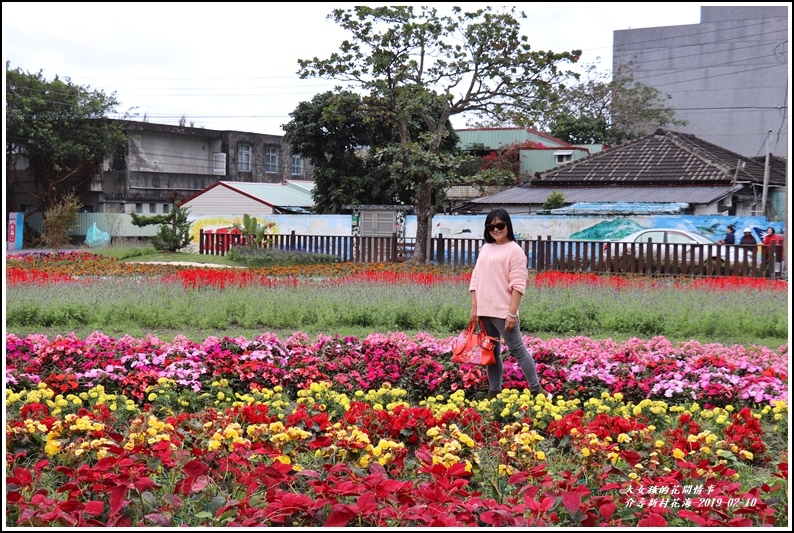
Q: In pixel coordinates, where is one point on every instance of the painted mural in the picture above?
(562, 227)
(275, 225)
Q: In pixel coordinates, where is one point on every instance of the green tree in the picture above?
(609, 108)
(63, 131)
(554, 201)
(435, 67)
(174, 232)
(344, 143)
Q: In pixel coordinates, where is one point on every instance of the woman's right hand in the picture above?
(473, 315)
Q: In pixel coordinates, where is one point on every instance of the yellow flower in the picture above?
(586, 452)
(541, 456)
(624, 438)
(52, 447)
(678, 454)
(748, 455)
(658, 443)
(152, 397)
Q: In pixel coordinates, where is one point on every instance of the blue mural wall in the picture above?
(571, 227)
(559, 227)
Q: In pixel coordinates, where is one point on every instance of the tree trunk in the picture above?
(424, 216)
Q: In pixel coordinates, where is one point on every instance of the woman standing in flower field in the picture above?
(497, 285)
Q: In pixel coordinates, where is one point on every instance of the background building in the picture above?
(727, 76)
(163, 162)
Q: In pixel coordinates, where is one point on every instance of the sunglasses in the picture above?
(500, 226)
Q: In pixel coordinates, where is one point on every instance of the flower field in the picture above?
(383, 430)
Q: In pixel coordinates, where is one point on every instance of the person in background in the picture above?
(773, 251)
(748, 241)
(730, 235)
(498, 283)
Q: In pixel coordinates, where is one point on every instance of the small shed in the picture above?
(236, 197)
(379, 220)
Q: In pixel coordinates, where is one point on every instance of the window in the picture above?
(297, 164)
(563, 156)
(139, 208)
(244, 157)
(25, 208)
(166, 208)
(655, 236)
(152, 208)
(679, 238)
(271, 160)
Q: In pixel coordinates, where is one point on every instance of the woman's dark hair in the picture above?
(504, 217)
(731, 227)
(771, 228)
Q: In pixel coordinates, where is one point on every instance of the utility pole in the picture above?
(766, 174)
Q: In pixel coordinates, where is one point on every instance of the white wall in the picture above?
(221, 199)
(163, 152)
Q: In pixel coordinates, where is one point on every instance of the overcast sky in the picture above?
(232, 66)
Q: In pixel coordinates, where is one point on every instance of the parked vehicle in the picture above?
(670, 243)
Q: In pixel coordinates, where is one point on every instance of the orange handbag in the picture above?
(474, 345)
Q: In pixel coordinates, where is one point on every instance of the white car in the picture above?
(683, 245)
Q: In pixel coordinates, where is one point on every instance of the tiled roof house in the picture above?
(664, 167)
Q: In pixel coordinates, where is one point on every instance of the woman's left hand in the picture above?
(510, 323)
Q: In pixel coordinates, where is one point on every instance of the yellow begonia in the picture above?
(678, 454)
(52, 447)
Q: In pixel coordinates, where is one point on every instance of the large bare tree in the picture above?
(435, 66)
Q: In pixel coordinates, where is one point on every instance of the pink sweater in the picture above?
(500, 269)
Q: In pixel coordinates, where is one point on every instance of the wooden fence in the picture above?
(658, 259)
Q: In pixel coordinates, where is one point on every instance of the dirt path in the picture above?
(187, 263)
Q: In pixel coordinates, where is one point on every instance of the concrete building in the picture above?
(727, 76)
(162, 162)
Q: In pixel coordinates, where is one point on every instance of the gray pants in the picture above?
(495, 327)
